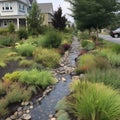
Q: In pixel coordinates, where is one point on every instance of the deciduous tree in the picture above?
(34, 19)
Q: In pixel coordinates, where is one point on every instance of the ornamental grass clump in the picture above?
(25, 49)
(85, 62)
(48, 57)
(109, 77)
(37, 78)
(94, 101)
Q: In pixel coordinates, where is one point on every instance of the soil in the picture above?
(12, 66)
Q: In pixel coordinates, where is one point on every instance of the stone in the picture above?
(26, 116)
(31, 107)
(82, 76)
(19, 109)
(50, 116)
(16, 113)
(8, 119)
(63, 79)
(53, 118)
(27, 111)
(13, 117)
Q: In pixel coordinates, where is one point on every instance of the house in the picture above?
(14, 11)
(47, 11)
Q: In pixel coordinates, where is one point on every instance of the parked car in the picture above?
(115, 33)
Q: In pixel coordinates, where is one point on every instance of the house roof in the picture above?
(46, 7)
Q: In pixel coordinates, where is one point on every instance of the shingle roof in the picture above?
(46, 7)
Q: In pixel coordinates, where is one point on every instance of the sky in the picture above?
(64, 5)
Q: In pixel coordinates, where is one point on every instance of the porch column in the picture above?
(26, 24)
(18, 25)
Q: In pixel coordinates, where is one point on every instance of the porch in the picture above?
(18, 21)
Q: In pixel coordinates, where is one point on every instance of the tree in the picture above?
(93, 13)
(59, 21)
(34, 19)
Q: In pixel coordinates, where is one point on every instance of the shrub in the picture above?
(94, 102)
(89, 62)
(2, 89)
(61, 105)
(86, 61)
(26, 63)
(3, 31)
(22, 34)
(25, 49)
(3, 109)
(116, 48)
(2, 64)
(11, 28)
(52, 39)
(64, 47)
(112, 57)
(63, 116)
(102, 62)
(12, 76)
(8, 40)
(37, 78)
(47, 57)
(84, 35)
(109, 77)
(88, 44)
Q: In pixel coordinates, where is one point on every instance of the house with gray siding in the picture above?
(14, 11)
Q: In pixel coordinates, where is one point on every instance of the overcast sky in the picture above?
(56, 4)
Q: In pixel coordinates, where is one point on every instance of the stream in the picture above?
(47, 105)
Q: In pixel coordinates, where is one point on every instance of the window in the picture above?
(6, 6)
(21, 7)
(5, 22)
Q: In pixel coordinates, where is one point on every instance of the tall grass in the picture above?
(109, 77)
(112, 56)
(94, 102)
(47, 57)
(25, 49)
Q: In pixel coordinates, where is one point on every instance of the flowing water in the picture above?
(43, 110)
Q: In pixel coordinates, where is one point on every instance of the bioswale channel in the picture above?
(45, 109)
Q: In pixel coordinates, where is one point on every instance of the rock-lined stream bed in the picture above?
(45, 110)
(42, 108)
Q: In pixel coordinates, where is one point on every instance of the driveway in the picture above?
(109, 38)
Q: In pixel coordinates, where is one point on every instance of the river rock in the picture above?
(26, 116)
(19, 109)
(13, 117)
(53, 118)
(8, 119)
(63, 79)
(31, 107)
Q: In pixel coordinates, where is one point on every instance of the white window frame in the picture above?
(7, 6)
